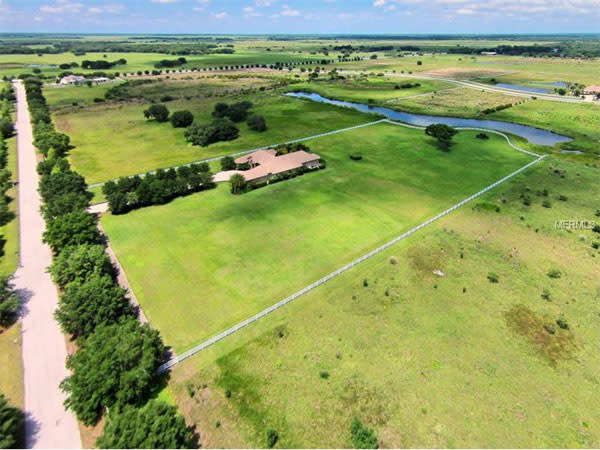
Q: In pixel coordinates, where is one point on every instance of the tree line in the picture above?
(156, 188)
(114, 366)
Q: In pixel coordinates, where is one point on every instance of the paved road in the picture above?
(48, 425)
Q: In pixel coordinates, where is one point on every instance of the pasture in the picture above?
(428, 360)
(211, 260)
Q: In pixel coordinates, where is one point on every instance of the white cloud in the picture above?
(164, 1)
(286, 11)
(220, 15)
(61, 6)
(110, 8)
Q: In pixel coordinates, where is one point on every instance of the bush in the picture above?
(257, 123)
(220, 110)
(155, 425)
(493, 278)
(482, 136)
(84, 306)
(72, 229)
(228, 163)
(115, 367)
(158, 112)
(355, 157)
(12, 424)
(238, 112)
(272, 438)
(238, 184)
(443, 133)
(182, 119)
(79, 262)
(218, 130)
(547, 204)
(324, 374)
(9, 301)
(361, 436)
(554, 273)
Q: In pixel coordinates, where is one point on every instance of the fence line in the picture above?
(166, 366)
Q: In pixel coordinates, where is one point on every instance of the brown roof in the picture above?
(257, 157)
(280, 164)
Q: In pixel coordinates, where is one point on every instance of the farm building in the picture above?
(592, 90)
(265, 164)
(72, 79)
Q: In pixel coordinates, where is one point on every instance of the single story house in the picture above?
(72, 79)
(591, 90)
(265, 164)
(99, 80)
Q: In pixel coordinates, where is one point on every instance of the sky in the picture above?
(300, 16)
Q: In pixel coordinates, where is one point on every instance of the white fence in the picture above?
(343, 269)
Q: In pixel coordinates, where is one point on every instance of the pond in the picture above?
(518, 87)
(534, 135)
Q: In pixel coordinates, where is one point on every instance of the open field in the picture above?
(113, 140)
(426, 360)
(234, 255)
(377, 90)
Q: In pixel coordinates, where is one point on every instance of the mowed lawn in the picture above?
(115, 140)
(208, 261)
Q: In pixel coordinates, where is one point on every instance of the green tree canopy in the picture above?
(257, 123)
(218, 130)
(238, 183)
(12, 423)
(228, 163)
(443, 133)
(155, 425)
(116, 366)
(74, 228)
(9, 301)
(158, 112)
(182, 119)
(78, 262)
(84, 306)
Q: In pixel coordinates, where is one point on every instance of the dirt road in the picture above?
(48, 424)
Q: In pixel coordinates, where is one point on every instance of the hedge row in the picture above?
(156, 188)
(497, 108)
(6, 215)
(115, 365)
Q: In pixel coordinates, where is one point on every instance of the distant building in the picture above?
(99, 80)
(592, 90)
(72, 79)
(489, 53)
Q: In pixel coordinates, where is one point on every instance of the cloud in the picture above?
(61, 6)
(220, 15)
(164, 1)
(286, 11)
(110, 8)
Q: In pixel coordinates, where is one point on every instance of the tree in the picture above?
(220, 110)
(238, 112)
(238, 183)
(257, 123)
(78, 263)
(361, 436)
(155, 425)
(218, 130)
(443, 133)
(228, 163)
(9, 301)
(158, 112)
(7, 128)
(182, 119)
(74, 228)
(12, 424)
(50, 139)
(116, 366)
(84, 306)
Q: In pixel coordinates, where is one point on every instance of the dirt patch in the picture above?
(426, 260)
(548, 340)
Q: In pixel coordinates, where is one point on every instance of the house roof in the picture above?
(257, 157)
(592, 89)
(280, 164)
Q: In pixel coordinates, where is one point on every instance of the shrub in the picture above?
(563, 198)
(79, 262)
(355, 157)
(115, 366)
(547, 204)
(365, 282)
(238, 112)
(182, 119)
(158, 112)
(562, 323)
(493, 278)
(238, 184)
(554, 273)
(361, 436)
(155, 425)
(7, 128)
(228, 163)
(546, 295)
(482, 136)
(393, 260)
(220, 110)
(272, 438)
(596, 245)
(9, 301)
(257, 123)
(443, 133)
(324, 374)
(12, 424)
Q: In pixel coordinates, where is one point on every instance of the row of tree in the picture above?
(156, 188)
(115, 366)
(102, 64)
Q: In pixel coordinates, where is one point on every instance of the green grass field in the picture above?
(216, 259)
(114, 140)
(426, 360)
